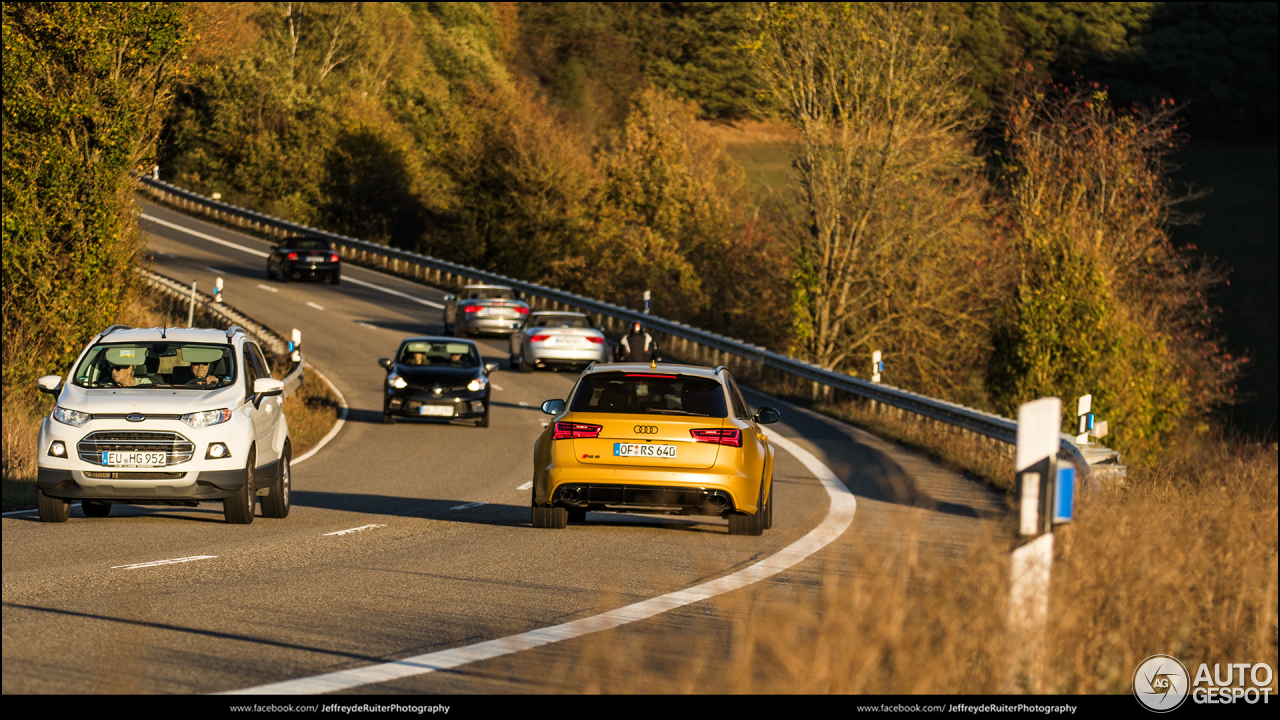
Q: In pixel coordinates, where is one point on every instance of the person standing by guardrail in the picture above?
(637, 346)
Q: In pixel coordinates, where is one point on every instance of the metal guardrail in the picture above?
(977, 421)
(264, 335)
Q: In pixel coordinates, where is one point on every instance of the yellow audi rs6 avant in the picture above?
(651, 438)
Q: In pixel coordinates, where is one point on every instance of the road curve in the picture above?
(410, 539)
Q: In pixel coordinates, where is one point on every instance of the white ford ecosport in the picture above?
(168, 416)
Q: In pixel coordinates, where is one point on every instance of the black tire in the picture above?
(276, 504)
(335, 279)
(269, 275)
(238, 509)
(94, 509)
(483, 422)
(52, 510)
(388, 419)
(577, 516)
(525, 367)
(284, 274)
(513, 361)
(743, 524)
(550, 517)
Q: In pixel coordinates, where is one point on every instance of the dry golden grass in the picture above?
(311, 410)
(1181, 560)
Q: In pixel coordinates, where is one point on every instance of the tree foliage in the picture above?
(890, 260)
(86, 86)
(1104, 303)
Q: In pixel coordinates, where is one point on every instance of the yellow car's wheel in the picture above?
(744, 524)
(550, 517)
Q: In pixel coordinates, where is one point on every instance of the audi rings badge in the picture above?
(645, 429)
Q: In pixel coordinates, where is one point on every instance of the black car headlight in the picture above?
(477, 384)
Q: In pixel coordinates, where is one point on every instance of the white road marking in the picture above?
(268, 288)
(212, 269)
(355, 529)
(333, 432)
(365, 324)
(468, 505)
(397, 293)
(839, 516)
(524, 404)
(154, 563)
(164, 254)
(314, 305)
(545, 424)
(526, 486)
(496, 386)
(203, 236)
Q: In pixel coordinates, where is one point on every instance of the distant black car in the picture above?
(296, 258)
(437, 378)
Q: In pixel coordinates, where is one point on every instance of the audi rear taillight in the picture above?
(719, 436)
(291, 256)
(471, 308)
(522, 310)
(539, 338)
(570, 430)
(596, 340)
(333, 257)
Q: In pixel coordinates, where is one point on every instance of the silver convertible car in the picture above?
(484, 309)
(557, 339)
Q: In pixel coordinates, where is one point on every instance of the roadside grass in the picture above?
(311, 410)
(1179, 560)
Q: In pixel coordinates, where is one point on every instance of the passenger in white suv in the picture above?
(165, 417)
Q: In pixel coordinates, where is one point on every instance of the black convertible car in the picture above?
(296, 258)
(437, 378)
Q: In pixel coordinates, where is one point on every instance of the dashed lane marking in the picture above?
(526, 486)
(268, 288)
(467, 505)
(311, 304)
(348, 531)
(155, 563)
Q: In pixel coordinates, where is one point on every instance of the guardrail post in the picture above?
(191, 308)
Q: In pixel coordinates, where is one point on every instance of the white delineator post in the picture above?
(1084, 418)
(1032, 557)
(217, 291)
(191, 307)
(877, 365)
(295, 343)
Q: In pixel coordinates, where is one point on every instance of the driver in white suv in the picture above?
(165, 417)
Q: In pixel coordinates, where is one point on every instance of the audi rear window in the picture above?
(560, 321)
(306, 244)
(649, 394)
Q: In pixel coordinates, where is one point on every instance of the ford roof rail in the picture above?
(112, 329)
(235, 329)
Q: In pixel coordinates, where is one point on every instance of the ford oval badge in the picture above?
(135, 417)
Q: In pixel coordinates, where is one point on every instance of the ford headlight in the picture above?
(74, 418)
(206, 418)
(477, 384)
(395, 381)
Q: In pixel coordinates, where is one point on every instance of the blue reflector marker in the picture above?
(1064, 494)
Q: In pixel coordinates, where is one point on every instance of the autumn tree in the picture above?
(1104, 304)
(86, 86)
(890, 258)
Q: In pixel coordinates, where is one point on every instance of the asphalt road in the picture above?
(444, 557)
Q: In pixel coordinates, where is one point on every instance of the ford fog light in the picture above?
(58, 449)
(217, 450)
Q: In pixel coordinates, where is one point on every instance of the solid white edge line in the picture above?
(333, 432)
(203, 236)
(839, 516)
(397, 293)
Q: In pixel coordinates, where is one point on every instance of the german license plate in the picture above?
(436, 410)
(643, 450)
(133, 459)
